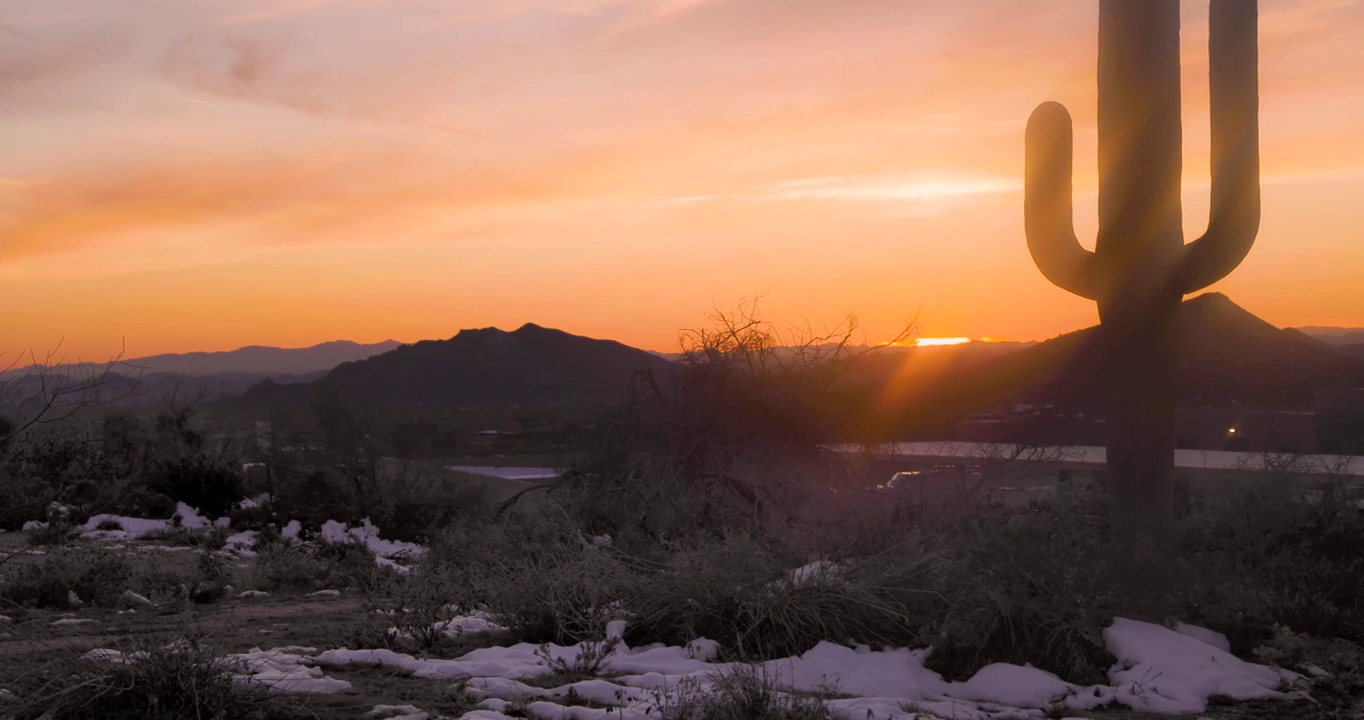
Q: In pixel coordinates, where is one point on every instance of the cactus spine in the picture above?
(1141, 267)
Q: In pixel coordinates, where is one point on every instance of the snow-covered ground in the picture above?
(1159, 669)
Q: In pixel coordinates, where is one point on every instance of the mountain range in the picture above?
(249, 360)
(1226, 356)
(194, 375)
(1335, 335)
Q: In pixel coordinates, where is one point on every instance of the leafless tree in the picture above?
(50, 390)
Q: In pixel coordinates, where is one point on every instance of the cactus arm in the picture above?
(1047, 205)
(1235, 216)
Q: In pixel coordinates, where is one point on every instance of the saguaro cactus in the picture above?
(1141, 267)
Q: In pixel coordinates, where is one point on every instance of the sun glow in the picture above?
(940, 342)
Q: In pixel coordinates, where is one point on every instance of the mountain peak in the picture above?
(489, 366)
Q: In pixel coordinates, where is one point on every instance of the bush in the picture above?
(563, 588)
(157, 684)
(199, 482)
(744, 692)
(1259, 556)
(211, 578)
(1038, 586)
(211, 538)
(96, 576)
(746, 597)
(290, 565)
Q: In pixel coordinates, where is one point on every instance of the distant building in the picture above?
(1246, 429)
(1340, 420)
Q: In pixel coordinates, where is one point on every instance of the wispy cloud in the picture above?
(922, 187)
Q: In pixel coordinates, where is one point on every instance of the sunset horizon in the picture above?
(207, 176)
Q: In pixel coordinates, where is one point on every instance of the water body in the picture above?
(1352, 465)
(508, 473)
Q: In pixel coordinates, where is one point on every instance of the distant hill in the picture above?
(260, 360)
(484, 367)
(1335, 335)
(187, 377)
(253, 360)
(1225, 355)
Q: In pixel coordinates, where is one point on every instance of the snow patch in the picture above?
(1159, 670)
(135, 528)
(368, 535)
(1162, 671)
(278, 670)
(68, 622)
(397, 712)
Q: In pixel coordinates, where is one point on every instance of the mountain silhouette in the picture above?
(486, 367)
(232, 367)
(1335, 335)
(261, 360)
(1225, 355)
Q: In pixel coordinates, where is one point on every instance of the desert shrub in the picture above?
(743, 692)
(137, 500)
(289, 565)
(1038, 586)
(416, 606)
(197, 481)
(1258, 556)
(165, 683)
(212, 538)
(733, 589)
(95, 577)
(748, 598)
(562, 594)
(588, 662)
(211, 576)
(253, 518)
(22, 498)
(58, 529)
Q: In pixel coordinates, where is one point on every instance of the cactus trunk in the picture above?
(1140, 240)
(1141, 430)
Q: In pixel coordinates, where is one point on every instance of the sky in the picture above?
(184, 175)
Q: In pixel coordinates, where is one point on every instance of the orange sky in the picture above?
(206, 174)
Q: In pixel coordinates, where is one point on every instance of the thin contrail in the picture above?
(17, 33)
